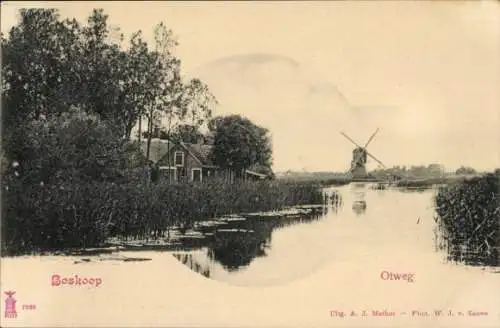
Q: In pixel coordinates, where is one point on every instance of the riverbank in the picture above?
(468, 214)
(85, 215)
(197, 236)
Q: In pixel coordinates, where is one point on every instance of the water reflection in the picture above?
(359, 203)
(237, 248)
(333, 202)
(272, 248)
(189, 260)
(236, 243)
(359, 207)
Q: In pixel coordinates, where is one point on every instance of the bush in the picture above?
(63, 174)
(70, 147)
(469, 214)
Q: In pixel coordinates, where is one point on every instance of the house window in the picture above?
(179, 158)
(169, 173)
(196, 174)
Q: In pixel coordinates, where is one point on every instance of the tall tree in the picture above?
(164, 97)
(49, 65)
(177, 102)
(33, 62)
(197, 103)
(240, 144)
(186, 133)
(134, 82)
(40, 72)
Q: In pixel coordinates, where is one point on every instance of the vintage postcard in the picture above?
(250, 164)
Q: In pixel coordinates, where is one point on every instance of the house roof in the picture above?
(159, 148)
(201, 152)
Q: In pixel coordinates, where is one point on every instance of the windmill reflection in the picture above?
(359, 204)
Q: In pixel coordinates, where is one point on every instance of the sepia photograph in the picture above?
(250, 164)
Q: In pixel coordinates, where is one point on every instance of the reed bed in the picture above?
(81, 215)
(469, 218)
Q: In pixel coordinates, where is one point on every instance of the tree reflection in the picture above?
(188, 260)
(236, 243)
(235, 249)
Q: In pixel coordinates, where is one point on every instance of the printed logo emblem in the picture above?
(10, 305)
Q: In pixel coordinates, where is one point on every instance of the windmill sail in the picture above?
(360, 156)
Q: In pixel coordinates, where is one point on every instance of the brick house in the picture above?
(187, 162)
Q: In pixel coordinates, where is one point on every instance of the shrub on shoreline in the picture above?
(469, 215)
(79, 215)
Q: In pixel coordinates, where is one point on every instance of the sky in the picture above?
(426, 73)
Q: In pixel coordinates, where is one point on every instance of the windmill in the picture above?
(360, 156)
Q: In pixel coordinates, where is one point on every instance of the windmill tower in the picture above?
(360, 156)
(358, 163)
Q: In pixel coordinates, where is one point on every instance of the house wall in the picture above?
(170, 172)
(183, 173)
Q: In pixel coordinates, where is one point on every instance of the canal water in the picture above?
(360, 224)
(272, 270)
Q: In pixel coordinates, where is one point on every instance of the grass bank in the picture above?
(81, 215)
(469, 218)
(430, 182)
(324, 182)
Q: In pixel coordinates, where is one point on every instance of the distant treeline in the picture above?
(403, 172)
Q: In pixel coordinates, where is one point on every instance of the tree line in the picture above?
(72, 173)
(422, 171)
(61, 75)
(414, 171)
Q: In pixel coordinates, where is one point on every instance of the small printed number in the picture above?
(29, 307)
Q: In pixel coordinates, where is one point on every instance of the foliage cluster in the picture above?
(51, 64)
(71, 95)
(469, 214)
(76, 215)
